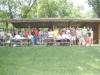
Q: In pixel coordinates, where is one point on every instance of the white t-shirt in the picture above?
(17, 37)
(68, 36)
(58, 37)
(67, 31)
(30, 36)
(50, 34)
(63, 36)
(79, 33)
(91, 34)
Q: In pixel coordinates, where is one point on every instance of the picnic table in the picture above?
(21, 42)
(25, 42)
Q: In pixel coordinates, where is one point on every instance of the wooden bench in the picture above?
(48, 42)
(9, 44)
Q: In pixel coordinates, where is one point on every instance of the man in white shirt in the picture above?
(30, 37)
(63, 38)
(17, 39)
(58, 39)
(50, 36)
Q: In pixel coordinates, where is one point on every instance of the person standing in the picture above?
(41, 37)
(78, 35)
(3, 34)
(73, 36)
(84, 32)
(55, 32)
(32, 33)
(36, 33)
(26, 33)
(90, 34)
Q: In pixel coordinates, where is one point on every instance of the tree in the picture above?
(46, 8)
(3, 14)
(96, 6)
(17, 8)
(10, 7)
(38, 9)
(55, 9)
(76, 13)
(26, 9)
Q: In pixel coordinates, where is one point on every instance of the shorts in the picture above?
(84, 36)
(88, 39)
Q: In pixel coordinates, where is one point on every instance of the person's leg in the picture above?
(74, 41)
(15, 42)
(34, 40)
(91, 41)
(68, 42)
(79, 42)
(41, 41)
(3, 42)
(63, 42)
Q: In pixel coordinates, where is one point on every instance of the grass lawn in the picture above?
(50, 60)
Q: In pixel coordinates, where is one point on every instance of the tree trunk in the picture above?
(26, 14)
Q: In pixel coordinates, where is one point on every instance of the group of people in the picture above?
(69, 35)
(73, 36)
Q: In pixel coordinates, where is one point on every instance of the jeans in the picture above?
(35, 40)
(2, 42)
(16, 42)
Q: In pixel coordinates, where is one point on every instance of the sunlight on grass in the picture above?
(50, 61)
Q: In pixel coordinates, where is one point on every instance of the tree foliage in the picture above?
(38, 9)
(56, 8)
(96, 6)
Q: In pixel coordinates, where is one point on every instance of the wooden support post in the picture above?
(53, 27)
(29, 28)
(98, 33)
(6, 26)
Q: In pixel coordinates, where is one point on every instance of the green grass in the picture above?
(50, 60)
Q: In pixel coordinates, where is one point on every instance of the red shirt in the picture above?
(87, 39)
(36, 32)
(27, 32)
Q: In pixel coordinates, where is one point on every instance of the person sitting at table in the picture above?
(30, 36)
(63, 38)
(50, 36)
(55, 32)
(17, 38)
(68, 38)
(9, 37)
(58, 39)
(21, 33)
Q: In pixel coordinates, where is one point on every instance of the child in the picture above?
(88, 40)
